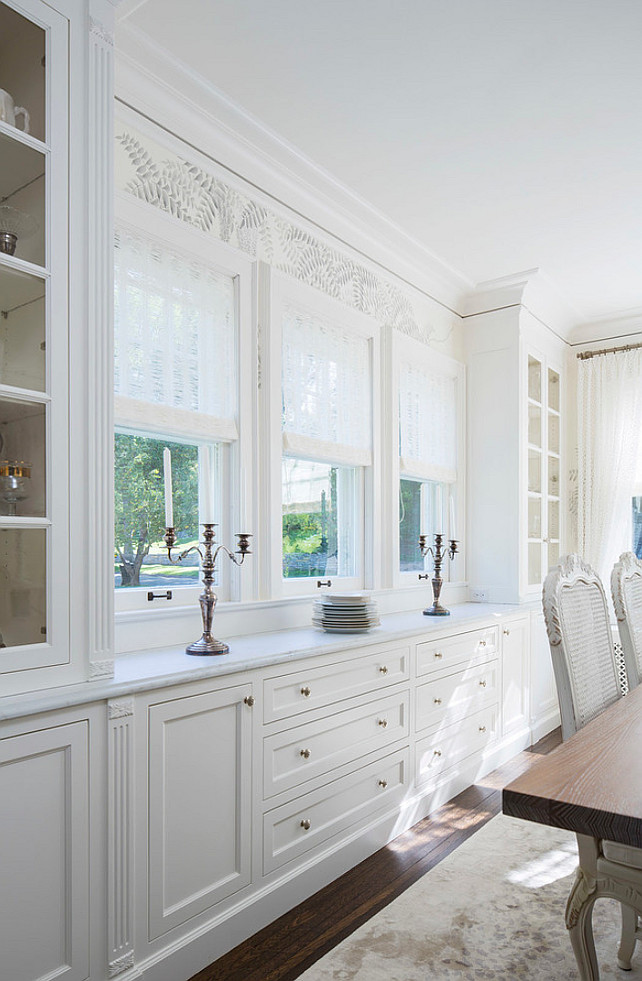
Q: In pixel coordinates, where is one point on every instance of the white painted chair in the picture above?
(626, 589)
(579, 633)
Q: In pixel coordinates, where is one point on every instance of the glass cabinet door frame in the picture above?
(53, 397)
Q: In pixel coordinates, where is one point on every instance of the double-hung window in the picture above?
(176, 387)
(328, 359)
(430, 434)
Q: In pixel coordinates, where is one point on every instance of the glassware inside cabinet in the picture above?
(22, 458)
(22, 196)
(22, 73)
(534, 379)
(534, 471)
(22, 330)
(534, 517)
(23, 598)
(553, 390)
(535, 425)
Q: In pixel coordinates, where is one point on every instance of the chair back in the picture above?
(626, 588)
(579, 634)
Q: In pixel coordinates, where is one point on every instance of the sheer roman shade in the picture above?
(327, 413)
(175, 342)
(427, 424)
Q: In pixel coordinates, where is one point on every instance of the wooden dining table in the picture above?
(592, 785)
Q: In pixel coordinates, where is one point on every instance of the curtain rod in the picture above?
(585, 355)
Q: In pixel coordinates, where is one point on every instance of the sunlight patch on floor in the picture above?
(546, 868)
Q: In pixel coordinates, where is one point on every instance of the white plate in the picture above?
(344, 630)
(349, 598)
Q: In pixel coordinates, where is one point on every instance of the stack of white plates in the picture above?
(345, 613)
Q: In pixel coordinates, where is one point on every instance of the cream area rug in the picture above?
(493, 909)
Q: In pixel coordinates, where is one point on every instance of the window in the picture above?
(176, 356)
(324, 354)
(429, 400)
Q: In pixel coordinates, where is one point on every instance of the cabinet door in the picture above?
(34, 390)
(44, 847)
(544, 709)
(199, 804)
(515, 636)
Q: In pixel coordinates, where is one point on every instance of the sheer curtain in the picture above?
(609, 444)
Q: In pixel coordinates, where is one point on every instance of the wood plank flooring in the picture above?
(289, 946)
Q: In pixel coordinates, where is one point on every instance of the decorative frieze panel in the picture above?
(188, 192)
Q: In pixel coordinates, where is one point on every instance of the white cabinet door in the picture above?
(544, 708)
(515, 636)
(44, 847)
(199, 804)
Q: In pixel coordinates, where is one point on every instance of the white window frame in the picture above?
(402, 350)
(237, 466)
(275, 291)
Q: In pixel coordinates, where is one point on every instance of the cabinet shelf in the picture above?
(13, 133)
(23, 265)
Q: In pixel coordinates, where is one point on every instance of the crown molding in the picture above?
(533, 291)
(152, 81)
(621, 327)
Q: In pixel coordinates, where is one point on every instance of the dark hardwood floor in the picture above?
(289, 946)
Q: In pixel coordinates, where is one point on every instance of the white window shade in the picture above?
(175, 342)
(327, 413)
(428, 424)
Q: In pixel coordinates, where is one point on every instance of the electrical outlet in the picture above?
(479, 594)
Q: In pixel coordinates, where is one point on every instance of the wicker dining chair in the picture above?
(578, 626)
(626, 589)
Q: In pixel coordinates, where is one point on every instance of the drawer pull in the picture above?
(305, 753)
(383, 723)
(306, 692)
(482, 643)
(482, 684)
(383, 669)
(506, 631)
(438, 655)
(306, 824)
(383, 784)
(437, 752)
(482, 728)
(249, 700)
(437, 701)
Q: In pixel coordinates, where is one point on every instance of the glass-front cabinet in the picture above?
(33, 336)
(544, 470)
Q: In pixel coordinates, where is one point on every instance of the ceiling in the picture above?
(503, 135)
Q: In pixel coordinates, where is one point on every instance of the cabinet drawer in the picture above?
(307, 751)
(450, 698)
(474, 645)
(293, 830)
(305, 689)
(451, 744)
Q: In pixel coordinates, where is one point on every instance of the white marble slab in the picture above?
(148, 670)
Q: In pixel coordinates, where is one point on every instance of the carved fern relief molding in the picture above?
(205, 201)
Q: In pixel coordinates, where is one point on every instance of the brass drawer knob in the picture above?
(383, 669)
(437, 752)
(437, 701)
(482, 643)
(383, 784)
(383, 723)
(482, 684)
(306, 824)
(506, 631)
(306, 692)
(438, 655)
(482, 728)
(305, 753)
(249, 700)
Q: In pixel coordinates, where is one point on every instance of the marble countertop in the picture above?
(148, 670)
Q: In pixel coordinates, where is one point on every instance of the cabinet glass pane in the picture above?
(553, 554)
(553, 433)
(535, 425)
(553, 476)
(534, 379)
(534, 564)
(554, 520)
(22, 72)
(22, 458)
(22, 197)
(553, 390)
(23, 605)
(534, 471)
(534, 517)
(22, 330)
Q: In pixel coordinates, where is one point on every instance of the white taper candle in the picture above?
(453, 533)
(207, 502)
(167, 474)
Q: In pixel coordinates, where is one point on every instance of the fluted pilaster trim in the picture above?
(120, 830)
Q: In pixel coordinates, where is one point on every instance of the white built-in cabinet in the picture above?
(516, 464)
